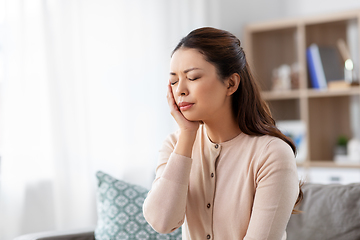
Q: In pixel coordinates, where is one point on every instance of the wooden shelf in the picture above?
(313, 93)
(278, 95)
(310, 93)
(326, 113)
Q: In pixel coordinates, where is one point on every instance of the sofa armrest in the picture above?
(78, 234)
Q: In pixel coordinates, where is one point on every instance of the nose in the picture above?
(182, 89)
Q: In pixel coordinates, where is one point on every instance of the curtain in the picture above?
(84, 89)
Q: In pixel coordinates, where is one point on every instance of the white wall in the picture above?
(234, 14)
(311, 7)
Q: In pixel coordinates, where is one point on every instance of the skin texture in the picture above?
(194, 80)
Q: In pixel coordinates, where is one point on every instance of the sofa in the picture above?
(328, 212)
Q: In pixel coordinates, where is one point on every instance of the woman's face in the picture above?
(197, 89)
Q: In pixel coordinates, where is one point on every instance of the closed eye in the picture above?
(173, 83)
(193, 79)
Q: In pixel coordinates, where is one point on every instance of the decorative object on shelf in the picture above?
(340, 150)
(295, 72)
(352, 41)
(350, 77)
(296, 130)
(281, 80)
(349, 71)
(285, 78)
(353, 150)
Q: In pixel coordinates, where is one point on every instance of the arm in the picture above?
(164, 207)
(276, 192)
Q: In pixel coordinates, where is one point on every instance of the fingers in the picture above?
(174, 109)
(171, 100)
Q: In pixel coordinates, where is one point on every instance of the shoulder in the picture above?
(267, 143)
(272, 151)
(277, 146)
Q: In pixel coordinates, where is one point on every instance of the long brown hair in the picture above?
(224, 50)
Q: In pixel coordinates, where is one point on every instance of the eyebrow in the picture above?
(185, 71)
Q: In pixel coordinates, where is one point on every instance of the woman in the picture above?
(228, 172)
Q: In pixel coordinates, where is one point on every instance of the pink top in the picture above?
(244, 188)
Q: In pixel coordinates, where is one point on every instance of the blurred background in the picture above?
(83, 88)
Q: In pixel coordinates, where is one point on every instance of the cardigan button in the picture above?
(208, 236)
(216, 146)
(209, 205)
(212, 175)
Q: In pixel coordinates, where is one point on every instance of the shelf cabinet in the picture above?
(326, 113)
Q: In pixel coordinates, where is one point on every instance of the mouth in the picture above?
(183, 106)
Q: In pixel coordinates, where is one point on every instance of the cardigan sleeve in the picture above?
(164, 207)
(277, 188)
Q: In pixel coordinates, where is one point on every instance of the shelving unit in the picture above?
(326, 113)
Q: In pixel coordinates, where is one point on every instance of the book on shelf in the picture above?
(324, 65)
(316, 72)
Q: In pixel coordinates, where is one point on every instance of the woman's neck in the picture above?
(222, 130)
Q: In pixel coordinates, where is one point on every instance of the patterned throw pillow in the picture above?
(119, 206)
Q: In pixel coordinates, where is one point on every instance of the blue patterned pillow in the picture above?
(119, 206)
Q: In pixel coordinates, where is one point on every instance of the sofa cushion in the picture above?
(329, 212)
(120, 216)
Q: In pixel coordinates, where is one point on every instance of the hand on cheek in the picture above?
(183, 123)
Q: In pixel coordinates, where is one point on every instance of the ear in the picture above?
(232, 83)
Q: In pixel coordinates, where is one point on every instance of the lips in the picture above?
(185, 106)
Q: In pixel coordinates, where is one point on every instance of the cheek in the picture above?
(212, 93)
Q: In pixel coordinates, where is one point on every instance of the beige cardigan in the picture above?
(244, 188)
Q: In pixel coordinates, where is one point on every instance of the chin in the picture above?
(191, 117)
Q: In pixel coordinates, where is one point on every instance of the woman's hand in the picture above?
(184, 124)
(188, 128)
